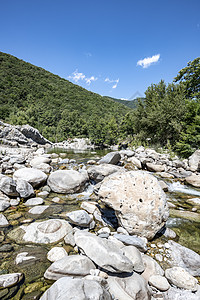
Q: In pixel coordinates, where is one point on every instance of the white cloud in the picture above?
(146, 62)
(112, 81)
(89, 80)
(76, 77)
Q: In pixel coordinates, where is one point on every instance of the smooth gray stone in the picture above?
(135, 256)
(80, 218)
(4, 204)
(181, 278)
(24, 188)
(72, 265)
(128, 287)
(76, 289)
(97, 173)
(34, 201)
(174, 293)
(159, 282)
(38, 209)
(8, 186)
(103, 252)
(8, 280)
(132, 240)
(3, 221)
(110, 158)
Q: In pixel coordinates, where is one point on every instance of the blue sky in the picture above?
(113, 47)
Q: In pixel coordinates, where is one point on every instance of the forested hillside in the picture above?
(168, 116)
(55, 106)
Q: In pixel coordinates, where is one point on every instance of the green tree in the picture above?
(190, 77)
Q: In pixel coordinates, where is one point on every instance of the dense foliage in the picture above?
(170, 115)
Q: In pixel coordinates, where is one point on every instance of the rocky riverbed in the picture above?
(122, 226)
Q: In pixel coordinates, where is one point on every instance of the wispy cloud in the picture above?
(89, 80)
(146, 62)
(116, 81)
(76, 77)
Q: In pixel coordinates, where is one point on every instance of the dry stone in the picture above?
(138, 200)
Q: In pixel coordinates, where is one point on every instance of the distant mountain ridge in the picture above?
(56, 107)
(129, 103)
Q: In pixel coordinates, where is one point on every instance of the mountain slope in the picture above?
(55, 106)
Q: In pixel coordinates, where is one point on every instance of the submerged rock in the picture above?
(138, 200)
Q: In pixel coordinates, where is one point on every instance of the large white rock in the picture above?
(186, 258)
(102, 252)
(181, 278)
(132, 287)
(76, 289)
(33, 176)
(138, 200)
(39, 160)
(194, 161)
(46, 232)
(72, 265)
(8, 280)
(194, 180)
(67, 181)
